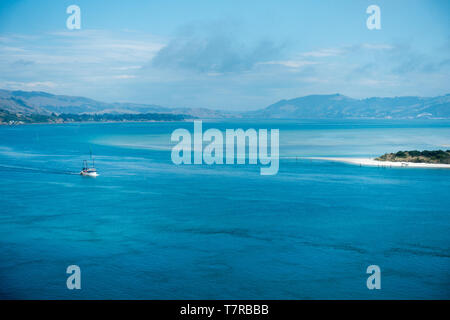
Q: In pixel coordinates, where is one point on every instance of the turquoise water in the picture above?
(146, 228)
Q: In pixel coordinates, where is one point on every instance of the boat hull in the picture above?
(89, 174)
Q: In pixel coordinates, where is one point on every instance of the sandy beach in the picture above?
(375, 163)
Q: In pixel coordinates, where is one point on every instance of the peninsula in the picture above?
(411, 159)
(438, 156)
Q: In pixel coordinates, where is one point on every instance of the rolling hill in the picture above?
(36, 102)
(337, 106)
(334, 106)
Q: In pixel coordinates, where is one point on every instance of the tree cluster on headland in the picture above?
(426, 156)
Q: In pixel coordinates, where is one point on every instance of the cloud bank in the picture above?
(215, 67)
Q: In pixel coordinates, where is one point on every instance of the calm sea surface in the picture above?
(146, 228)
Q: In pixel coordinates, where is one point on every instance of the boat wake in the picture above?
(36, 170)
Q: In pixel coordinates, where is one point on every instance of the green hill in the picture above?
(438, 156)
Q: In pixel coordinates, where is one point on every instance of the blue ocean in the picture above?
(148, 229)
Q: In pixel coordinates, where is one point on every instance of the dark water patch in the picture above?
(345, 247)
(415, 252)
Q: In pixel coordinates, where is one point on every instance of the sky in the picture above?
(228, 55)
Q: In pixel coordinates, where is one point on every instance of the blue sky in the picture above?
(231, 55)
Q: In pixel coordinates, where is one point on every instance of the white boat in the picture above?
(89, 171)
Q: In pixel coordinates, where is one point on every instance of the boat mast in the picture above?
(93, 163)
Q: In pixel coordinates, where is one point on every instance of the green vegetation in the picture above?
(438, 156)
(18, 118)
(123, 117)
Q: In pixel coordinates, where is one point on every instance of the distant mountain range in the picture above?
(333, 106)
(34, 102)
(337, 106)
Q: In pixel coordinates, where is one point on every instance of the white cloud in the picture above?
(124, 68)
(324, 53)
(12, 49)
(377, 46)
(18, 85)
(124, 76)
(290, 63)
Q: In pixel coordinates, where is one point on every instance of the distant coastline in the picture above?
(39, 105)
(8, 118)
